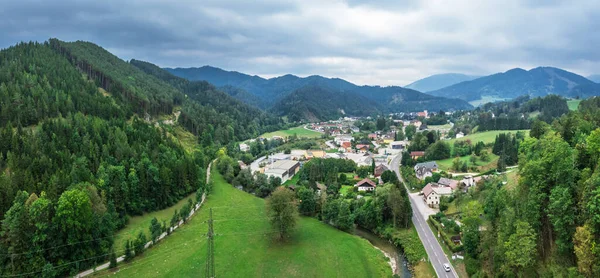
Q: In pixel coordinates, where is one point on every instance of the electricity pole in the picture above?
(210, 258)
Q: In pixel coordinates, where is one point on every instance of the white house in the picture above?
(366, 185)
(244, 147)
(460, 135)
(425, 169)
(432, 193)
(343, 138)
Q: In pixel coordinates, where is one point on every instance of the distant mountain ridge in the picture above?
(540, 81)
(438, 81)
(594, 77)
(270, 92)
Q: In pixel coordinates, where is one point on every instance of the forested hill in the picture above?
(540, 81)
(224, 122)
(269, 92)
(315, 103)
(245, 119)
(83, 145)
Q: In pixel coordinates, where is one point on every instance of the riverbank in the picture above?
(397, 260)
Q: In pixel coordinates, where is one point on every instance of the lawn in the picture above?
(299, 131)
(485, 99)
(446, 164)
(345, 189)
(486, 136)
(439, 127)
(573, 104)
(293, 181)
(245, 246)
(142, 223)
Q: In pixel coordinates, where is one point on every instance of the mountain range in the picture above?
(438, 81)
(594, 77)
(540, 81)
(343, 97)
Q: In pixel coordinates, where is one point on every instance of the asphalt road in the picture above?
(432, 246)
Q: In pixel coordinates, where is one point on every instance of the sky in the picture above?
(379, 42)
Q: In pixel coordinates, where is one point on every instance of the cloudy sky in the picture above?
(385, 42)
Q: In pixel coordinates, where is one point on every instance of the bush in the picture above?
(407, 240)
(453, 247)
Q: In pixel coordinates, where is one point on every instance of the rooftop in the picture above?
(283, 164)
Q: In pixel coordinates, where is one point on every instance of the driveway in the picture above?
(422, 208)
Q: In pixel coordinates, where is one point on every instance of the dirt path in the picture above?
(163, 235)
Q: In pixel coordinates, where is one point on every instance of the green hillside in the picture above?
(88, 141)
(245, 246)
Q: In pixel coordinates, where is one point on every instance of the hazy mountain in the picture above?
(270, 92)
(439, 81)
(594, 77)
(539, 81)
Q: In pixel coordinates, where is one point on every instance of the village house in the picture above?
(432, 193)
(283, 169)
(425, 169)
(448, 182)
(310, 154)
(470, 181)
(423, 114)
(379, 169)
(373, 136)
(362, 148)
(397, 145)
(417, 155)
(460, 135)
(244, 147)
(342, 139)
(346, 147)
(321, 188)
(366, 185)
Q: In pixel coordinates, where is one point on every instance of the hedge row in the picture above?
(453, 247)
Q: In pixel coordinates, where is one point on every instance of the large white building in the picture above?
(283, 169)
(343, 138)
(432, 193)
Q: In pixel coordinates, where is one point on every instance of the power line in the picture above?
(210, 258)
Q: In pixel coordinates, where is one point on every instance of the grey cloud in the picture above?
(368, 42)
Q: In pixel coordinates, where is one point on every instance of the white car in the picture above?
(447, 267)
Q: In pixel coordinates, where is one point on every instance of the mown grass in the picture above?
(245, 246)
(299, 131)
(573, 104)
(141, 223)
(486, 137)
(446, 164)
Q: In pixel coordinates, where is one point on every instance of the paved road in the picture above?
(432, 246)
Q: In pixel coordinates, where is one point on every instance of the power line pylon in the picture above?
(210, 258)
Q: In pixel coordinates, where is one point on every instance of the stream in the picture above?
(397, 262)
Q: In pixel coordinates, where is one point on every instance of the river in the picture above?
(397, 260)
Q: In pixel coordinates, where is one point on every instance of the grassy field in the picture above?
(345, 189)
(446, 164)
(299, 131)
(486, 99)
(486, 136)
(439, 127)
(245, 246)
(142, 223)
(573, 104)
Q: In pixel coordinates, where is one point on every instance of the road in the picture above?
(432, 246)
